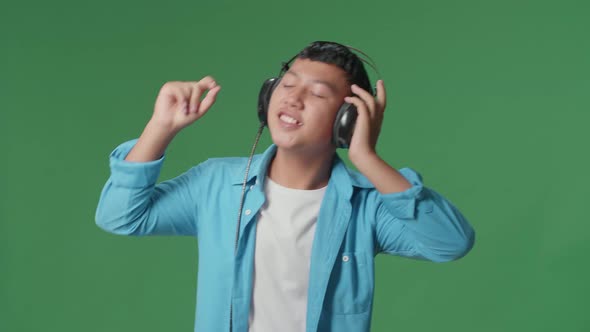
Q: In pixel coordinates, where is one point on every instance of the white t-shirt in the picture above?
(284, 236)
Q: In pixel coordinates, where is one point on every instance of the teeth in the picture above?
(288, 119)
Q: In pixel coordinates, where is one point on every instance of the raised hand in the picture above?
(179, 104)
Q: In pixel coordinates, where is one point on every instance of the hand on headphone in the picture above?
(179, 103)
(368, 123)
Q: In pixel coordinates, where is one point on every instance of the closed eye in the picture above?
(291, 85)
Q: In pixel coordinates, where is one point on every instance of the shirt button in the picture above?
(345, 258)
(247, 212)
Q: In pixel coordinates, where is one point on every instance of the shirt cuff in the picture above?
(133, 174)
(403, 204)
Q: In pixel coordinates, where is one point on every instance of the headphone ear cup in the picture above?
(264, 98)
(344, 125)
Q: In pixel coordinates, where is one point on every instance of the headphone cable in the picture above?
(260, 129)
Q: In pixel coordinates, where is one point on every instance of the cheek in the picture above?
(324, 123)
(271, 102)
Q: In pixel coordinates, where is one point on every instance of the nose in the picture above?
(294, 97)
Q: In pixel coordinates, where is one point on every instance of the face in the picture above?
(303, 106)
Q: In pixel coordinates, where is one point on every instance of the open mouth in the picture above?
(287, 119)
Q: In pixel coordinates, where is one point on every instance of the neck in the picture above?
(299, 171)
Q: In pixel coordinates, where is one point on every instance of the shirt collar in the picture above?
(341, 175)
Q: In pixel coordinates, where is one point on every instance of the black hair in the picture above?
(341, 56)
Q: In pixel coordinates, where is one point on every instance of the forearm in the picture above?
(441, 233)
(386, 179)
(421, 223)
(151, 144)
(131, 203)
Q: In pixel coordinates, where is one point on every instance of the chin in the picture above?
(284, 141)
(298, 141)
(291, 144)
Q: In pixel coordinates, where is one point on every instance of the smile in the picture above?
(289, 120)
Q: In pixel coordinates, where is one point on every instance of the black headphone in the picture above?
(345, 118)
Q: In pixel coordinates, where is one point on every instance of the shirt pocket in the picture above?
(350, 288)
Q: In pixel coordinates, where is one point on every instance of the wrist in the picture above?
(151, 144)
(361, 159)
(159, 131)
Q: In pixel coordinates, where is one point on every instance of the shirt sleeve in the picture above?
(420, 223)
(132, 204)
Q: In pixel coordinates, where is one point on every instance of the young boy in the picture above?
(309, 226)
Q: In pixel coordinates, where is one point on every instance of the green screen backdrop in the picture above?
(488, 100)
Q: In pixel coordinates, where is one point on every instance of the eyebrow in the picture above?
(326, 83)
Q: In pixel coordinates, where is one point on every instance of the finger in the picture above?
(366, 97)
(360, 105)
(209, 99)
(363, 122)
(195, 97)
(179, 96)
(381, 95)
(207, 83)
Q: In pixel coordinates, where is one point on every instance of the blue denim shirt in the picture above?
(355, 223)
